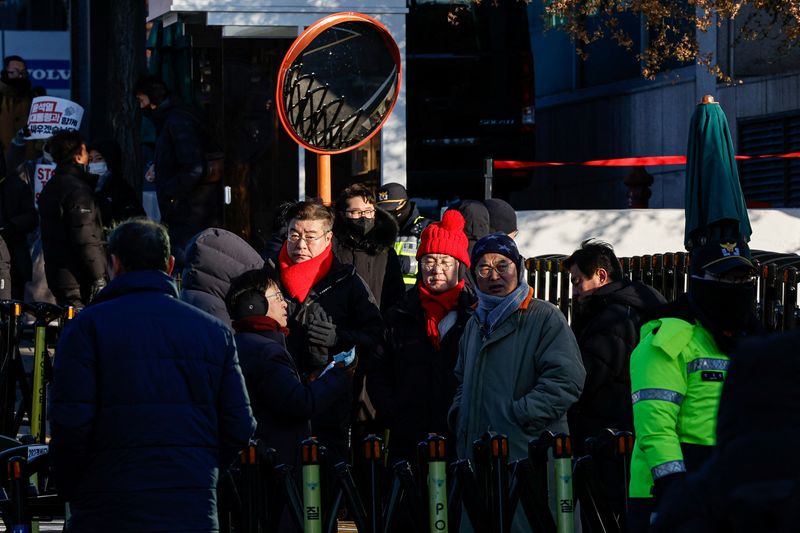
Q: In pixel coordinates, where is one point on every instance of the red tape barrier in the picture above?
(651, 161)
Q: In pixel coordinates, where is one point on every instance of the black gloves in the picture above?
(97, 286)
(662, 485)
(322, 330)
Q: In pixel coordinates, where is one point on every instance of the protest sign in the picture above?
(50, 114)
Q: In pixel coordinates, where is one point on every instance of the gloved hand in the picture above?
(662, 485)
(97, 286)
(322, 330)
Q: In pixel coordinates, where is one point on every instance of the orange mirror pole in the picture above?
(324, 178)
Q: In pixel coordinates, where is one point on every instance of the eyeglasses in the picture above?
(358, 213)
(295, 238)
(444, 266)
(484, 271)
(278, 296)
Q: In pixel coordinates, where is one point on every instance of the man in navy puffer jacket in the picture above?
(148, 400)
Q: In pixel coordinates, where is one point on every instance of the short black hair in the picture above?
(140, 244)
(594, 254)
(8, 59)
(310, 210)
(356, 190)
(64, 146)
(153, 87)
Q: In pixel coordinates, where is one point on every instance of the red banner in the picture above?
(650, 161)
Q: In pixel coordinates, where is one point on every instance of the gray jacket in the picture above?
(519, 381)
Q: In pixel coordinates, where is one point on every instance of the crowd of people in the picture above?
(361, 317)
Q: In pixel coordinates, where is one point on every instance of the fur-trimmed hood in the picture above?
(381, 237)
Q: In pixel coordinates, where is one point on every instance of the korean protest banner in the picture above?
(50, 114)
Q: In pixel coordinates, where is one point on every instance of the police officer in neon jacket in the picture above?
(678, 370)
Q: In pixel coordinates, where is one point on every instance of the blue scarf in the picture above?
(492, 310)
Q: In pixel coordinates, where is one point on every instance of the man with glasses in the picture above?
(414, 385)
(283, 401)
(678, 370)
(519, 367)
(15, 98)
(330, 310)
(364, 238)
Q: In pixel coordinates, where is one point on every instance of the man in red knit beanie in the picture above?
(414, 384)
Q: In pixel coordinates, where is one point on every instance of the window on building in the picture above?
(772, 181)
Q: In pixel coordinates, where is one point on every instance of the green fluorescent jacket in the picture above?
(677, 373)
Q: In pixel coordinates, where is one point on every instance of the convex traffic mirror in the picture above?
(338, 83)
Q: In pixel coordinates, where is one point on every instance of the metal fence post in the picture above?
(498, 447)
(373, 454)
(437, 484)
(312, 494)
(562, 462)
(20, 521)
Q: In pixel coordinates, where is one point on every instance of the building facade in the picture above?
(603, 108)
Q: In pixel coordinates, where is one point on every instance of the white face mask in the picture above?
(98, 168)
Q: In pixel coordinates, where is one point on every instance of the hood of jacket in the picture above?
(213, 258)
(381, 237)
(638, 296)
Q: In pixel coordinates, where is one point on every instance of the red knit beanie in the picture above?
(445, 237)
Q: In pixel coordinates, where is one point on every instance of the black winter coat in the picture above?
(412, 384)
(284, 402)
(118, 201)
(72, 234)
(213, 258)
(343, 296)
(374, 258)
(19, 218)
(607, 329)
(148, 403)
(187, 204)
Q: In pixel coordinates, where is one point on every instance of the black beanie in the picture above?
(502, 216)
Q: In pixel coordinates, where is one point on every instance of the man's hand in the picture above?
(322, 330)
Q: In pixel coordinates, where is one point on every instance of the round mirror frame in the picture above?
(299, 46)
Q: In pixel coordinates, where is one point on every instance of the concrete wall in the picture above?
(642, 231)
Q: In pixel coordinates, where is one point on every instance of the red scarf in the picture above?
(298, 278)
(436, 307)
(252, 324)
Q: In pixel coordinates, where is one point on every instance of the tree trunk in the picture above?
(126, 60)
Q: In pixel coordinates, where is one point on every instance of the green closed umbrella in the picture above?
(715, 206)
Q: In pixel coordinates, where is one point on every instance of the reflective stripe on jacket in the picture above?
(677, 373)
(406, 246)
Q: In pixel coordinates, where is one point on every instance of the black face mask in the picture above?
(402, 214)
(21, 85)
(726, 309)
(359, 227)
